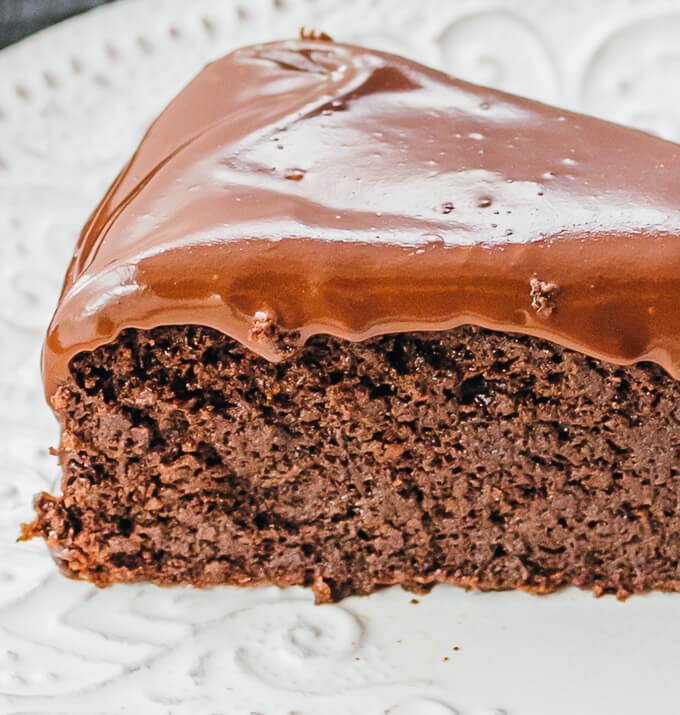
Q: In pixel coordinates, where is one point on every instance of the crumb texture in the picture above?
(470, 457)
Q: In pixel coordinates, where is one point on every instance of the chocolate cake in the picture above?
(344, 321)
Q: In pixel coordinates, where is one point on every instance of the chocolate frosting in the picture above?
(317, 187)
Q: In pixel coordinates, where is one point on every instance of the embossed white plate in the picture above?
(73, 103)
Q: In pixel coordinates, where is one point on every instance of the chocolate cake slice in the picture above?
(344, 321)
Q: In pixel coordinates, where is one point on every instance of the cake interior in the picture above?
(471, 457)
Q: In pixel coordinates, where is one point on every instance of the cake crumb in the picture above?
(264, 329)
(415, 601)
(322, 591)
(295, 174)
(543, 296)
(311, 34)
(264, 326)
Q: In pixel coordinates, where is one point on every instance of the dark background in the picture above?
(19, 18)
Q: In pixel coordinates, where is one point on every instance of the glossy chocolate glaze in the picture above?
(321, 187)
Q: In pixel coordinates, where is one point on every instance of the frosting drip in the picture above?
(325, 188)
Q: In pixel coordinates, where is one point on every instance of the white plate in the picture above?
(74, 101)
